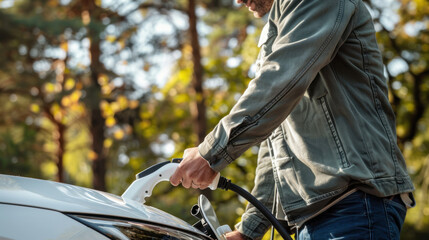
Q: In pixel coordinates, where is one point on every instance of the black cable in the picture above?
(226, 184)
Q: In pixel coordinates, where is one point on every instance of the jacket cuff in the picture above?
(252, 226)
(217, 157)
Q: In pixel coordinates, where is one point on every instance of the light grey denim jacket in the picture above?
(319, 106)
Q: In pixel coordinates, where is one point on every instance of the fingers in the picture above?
(186, 182)
(179, 177)
(193, 171)
(176, 178)
(196, 186)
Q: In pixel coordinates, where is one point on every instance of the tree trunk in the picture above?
(198, 108)
(97, 123)
(99, 161)
(61, 128)
(59, 139)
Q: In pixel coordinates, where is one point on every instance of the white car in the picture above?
(40, 209)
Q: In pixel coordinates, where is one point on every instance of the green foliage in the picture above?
(15, 158)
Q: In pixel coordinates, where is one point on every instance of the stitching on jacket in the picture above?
(340, 149)
(382, 117)
(253, 223)
(318, 198)
(363, 137)
(247, 123)
(311, 62)
(219, 151)
(377, 105)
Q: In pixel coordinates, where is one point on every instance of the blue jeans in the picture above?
(358, 216)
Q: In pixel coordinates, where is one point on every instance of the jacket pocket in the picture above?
(334, 132)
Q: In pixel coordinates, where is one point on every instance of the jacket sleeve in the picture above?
(253, 223)
(308, 35)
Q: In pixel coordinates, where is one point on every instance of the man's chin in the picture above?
(258, 15)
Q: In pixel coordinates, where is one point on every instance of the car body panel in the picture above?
(21, 222)
(67, 198)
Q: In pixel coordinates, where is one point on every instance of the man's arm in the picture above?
(308, 36)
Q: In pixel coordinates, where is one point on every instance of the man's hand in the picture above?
(193, 171)
(235, 235)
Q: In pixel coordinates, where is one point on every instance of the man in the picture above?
(328, 161)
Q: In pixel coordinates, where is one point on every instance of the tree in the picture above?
(56, 81)
(33, 71)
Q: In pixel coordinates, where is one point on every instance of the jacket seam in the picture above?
(224, 155)
(363, 54)
(252, 224)
(307, 66)
(219, 151)
(383, 120)
(377, 103)
(242, 129)
(303, 203)
(362, 136)
(334, 132)
(301, 220)
(315, 199)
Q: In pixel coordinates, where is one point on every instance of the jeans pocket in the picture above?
(395, 213)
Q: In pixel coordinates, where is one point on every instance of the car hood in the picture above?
(73, 199)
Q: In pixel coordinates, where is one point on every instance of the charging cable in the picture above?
(226, 184)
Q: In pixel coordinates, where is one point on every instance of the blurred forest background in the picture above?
(94, 91)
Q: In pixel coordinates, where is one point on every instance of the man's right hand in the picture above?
(235, 235)
(193, 171)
